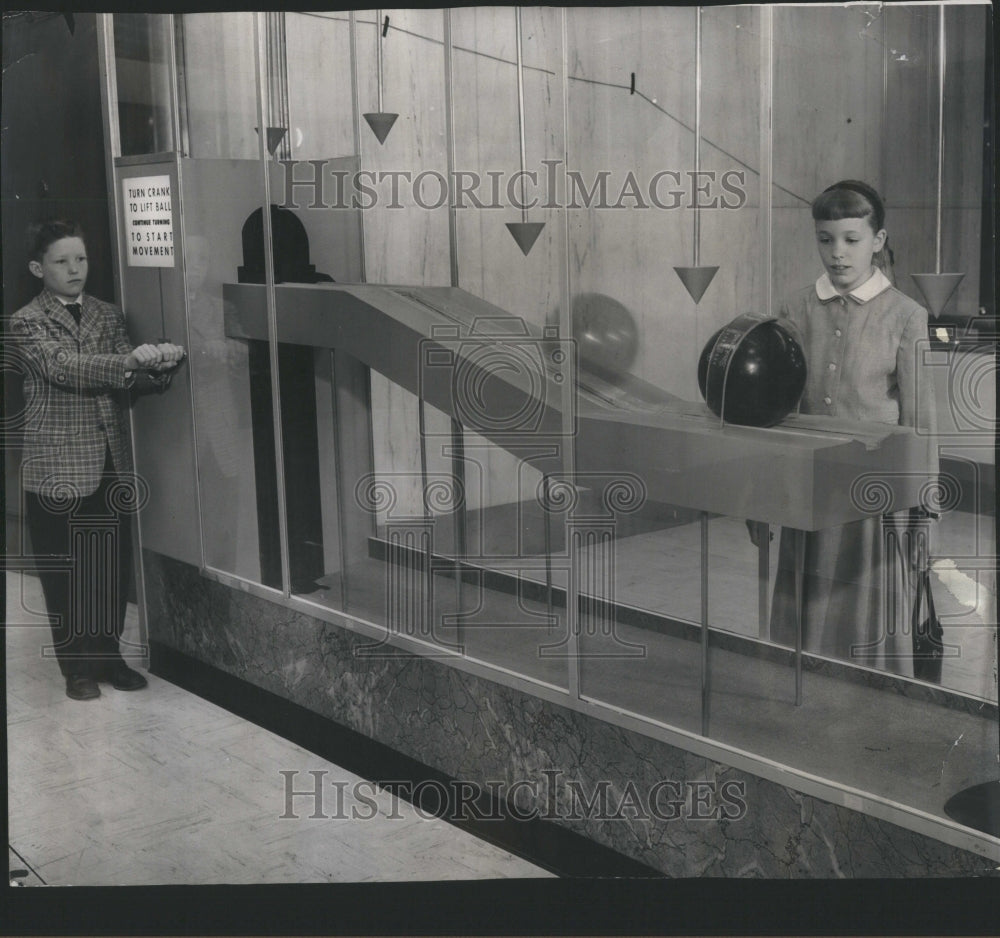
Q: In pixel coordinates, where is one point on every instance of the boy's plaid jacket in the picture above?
(73, 388)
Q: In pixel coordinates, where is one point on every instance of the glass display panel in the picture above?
(221, 190)
(142, 71)
(605, 555)
(400, 70)
(515, 538)
(324, 391)
(896, 55)
(868, 130)
(660, 198)
(651, 571)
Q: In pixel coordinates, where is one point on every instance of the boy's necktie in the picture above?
(74, 309)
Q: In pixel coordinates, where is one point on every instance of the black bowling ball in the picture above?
(761, 366)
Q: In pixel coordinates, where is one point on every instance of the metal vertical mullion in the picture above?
(458, 463)
(112, 133)
(175, 125)
(520, 109)
(799, 541)
(568, 388)
(449, 118)
(697, 131)
(180, 56)
(428, 571)
(277, 76)
(706, 685)
(359, 150)
(378, 56)
(942, 51)
(278, 40)
(461, 531)
(357, 111)
(884, 116)
(260, 37)
(766, 152)
(113, 150)
(764, 198)
(175, 131)
(339, 480)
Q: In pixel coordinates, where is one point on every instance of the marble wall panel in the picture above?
(220, 85)
(827, 97)
(871, 112)
(320, 94)
(406, 242)
(628, 250)
(731, 73)
(731, 233)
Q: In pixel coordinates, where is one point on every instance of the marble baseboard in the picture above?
(728, 823)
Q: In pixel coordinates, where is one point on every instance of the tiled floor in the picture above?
(162, 787)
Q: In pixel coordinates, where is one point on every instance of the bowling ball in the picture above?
(761, 366)
(606, 335)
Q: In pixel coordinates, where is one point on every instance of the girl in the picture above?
(863, 341)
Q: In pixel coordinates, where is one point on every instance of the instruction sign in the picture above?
(149, 221)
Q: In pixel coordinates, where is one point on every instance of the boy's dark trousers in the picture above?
(85, 596)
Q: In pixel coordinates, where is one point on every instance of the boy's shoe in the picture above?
(81, 687)
(122, 677)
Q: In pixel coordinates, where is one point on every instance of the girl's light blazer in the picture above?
(864, 353)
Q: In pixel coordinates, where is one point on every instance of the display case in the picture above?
(438, 468)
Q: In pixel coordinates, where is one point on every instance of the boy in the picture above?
(77, 462)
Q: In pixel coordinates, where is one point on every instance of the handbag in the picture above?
(927, 633)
